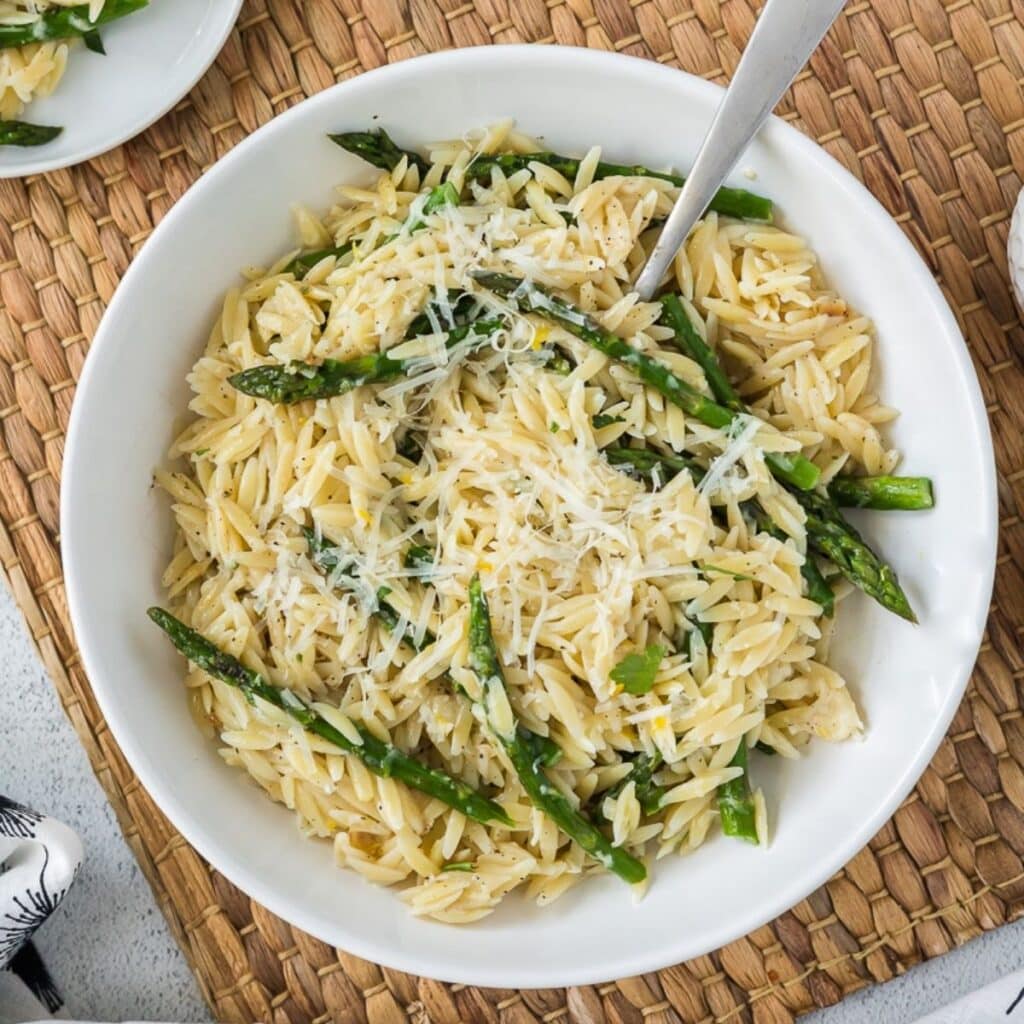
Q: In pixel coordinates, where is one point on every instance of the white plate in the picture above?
(153, 58)
(117, 529)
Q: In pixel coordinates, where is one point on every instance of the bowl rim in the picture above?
(214, 44)
(661, 956)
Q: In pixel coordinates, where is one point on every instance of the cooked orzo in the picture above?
(496, 575)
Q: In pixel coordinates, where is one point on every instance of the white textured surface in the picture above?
(110, 949)
(108, 946)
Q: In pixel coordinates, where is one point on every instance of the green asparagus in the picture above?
(828, 534)
(831, 536)
(21, 133)
(377, 147)
(381, 758)
(66, 22)
(648, 793)
(306, 261)
(818, 589)
(330, 559)
(733, 202)
(904, 493)
(652, 464)
(543, 794)
(298, 381)
(437, 198)
(735, 802)
(792, 468)
(690, 343)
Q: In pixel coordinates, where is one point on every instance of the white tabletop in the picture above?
(109, 947)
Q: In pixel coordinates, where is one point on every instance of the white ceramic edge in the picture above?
(41, 166)
(545, 975)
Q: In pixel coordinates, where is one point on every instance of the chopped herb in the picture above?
(636, 672)
(554, 428)
(298, 658)
(602, 419)
(458, 865)
(200, 451)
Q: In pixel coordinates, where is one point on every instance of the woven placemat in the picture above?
(920, 100)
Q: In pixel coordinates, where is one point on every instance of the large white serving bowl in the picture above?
(117, 530)
(153, 58)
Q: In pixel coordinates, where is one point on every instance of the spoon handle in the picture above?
(783, 40)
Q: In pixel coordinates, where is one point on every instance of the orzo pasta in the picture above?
(654, 575)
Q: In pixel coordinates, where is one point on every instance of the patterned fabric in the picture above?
(39, 858)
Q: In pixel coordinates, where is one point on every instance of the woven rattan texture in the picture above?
(922, 101)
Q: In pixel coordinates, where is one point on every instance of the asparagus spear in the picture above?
(733, 202)
(792, 468)
(378, 148)
(543, 794)
(65, 22)
(905, 493)
(648, 793)
(652, 464)
(690, 343)
(818, 589)
(306, 261)
(331, 560)
(827, 531)
(831, 536)
(828, 534)
(21, 133)
(735, 802)
(298, 381)
(381, 758)
(437, 198)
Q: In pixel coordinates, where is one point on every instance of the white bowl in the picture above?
(153, 58)
(117, 530)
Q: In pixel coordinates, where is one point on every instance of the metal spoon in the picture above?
(785, 36)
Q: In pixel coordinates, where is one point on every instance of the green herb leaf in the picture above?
(557, 363)
(554, 428)
(458, 865)
(602, 419)
(419, 559)
(636, 672)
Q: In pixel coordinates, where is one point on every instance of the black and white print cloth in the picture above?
(1002, 1002)
(39, 858)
